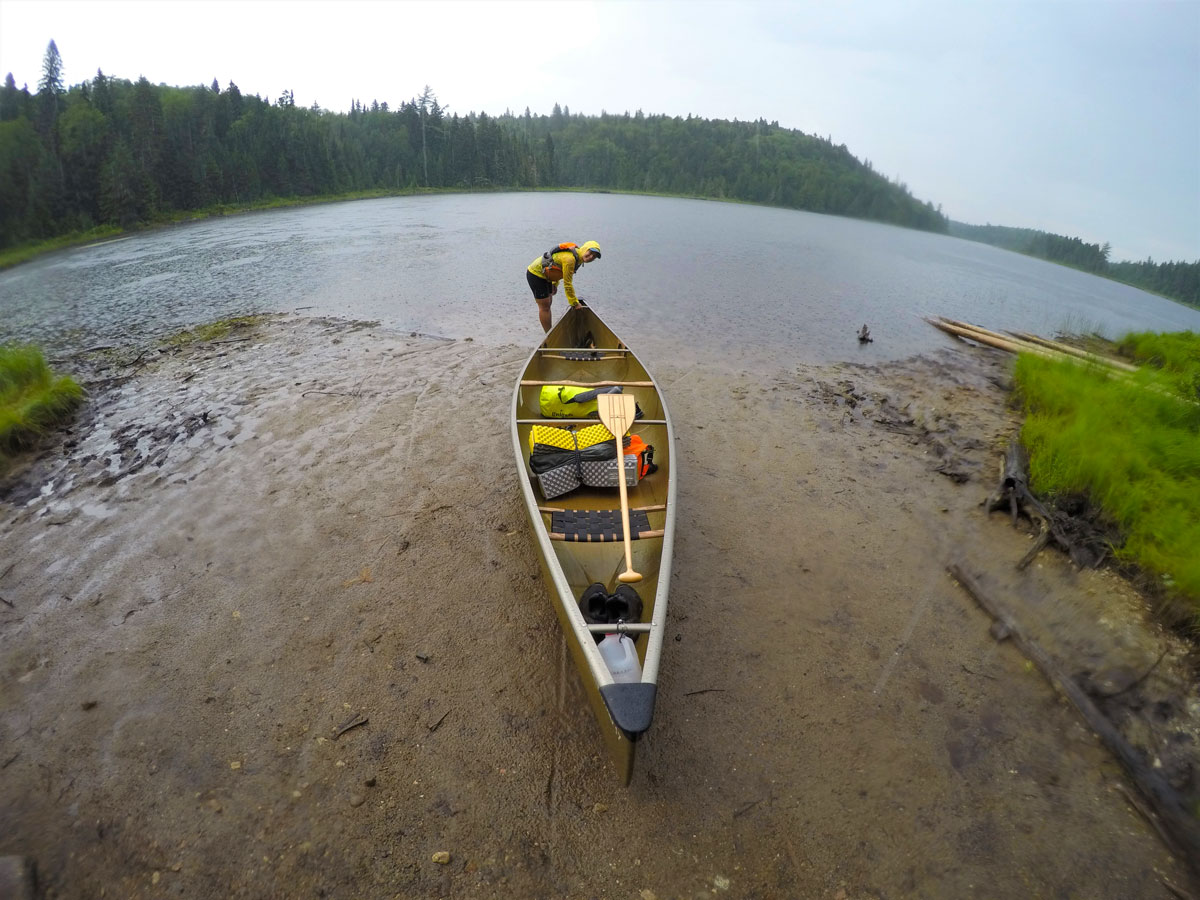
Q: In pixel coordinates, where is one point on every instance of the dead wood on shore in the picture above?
(1077, 534)
(1179, 828)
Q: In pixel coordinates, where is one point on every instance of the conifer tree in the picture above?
(50, 89)
(10, 102)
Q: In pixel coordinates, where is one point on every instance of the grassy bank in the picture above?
(11, 256)
(1129, 444)
(33, 401)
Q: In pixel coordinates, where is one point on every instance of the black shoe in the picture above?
(625, 605)
(594, 604)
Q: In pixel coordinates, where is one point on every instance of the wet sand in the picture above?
(256, 544)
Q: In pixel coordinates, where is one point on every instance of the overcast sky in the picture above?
(1080, 117)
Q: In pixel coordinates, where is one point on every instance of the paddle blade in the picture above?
(617, 412)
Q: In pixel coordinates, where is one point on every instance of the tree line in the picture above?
(111, 151)
(1178, 280)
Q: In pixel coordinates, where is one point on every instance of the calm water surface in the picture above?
(714, 283)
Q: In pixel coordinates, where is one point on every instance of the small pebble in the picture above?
(441, 857)
(357, 799)
(600, 808)
(369, 782)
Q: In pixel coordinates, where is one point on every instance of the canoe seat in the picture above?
(597, 525)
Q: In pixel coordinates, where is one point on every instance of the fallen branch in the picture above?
(1180, 828)
(1132, 685)
(354, 722)
(753, 803)
(1175, 889)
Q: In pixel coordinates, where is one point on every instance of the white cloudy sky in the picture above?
(1080, 117)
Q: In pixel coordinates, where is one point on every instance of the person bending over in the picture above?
(559, 263)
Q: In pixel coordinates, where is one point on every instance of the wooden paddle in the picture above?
(617, 412)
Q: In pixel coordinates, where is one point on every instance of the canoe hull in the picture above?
(623, 711)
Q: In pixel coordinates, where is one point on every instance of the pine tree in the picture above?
(118, 186)
(52, 72)
(50, 89)
(10, 100)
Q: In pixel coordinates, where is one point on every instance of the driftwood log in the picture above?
(1175, 823)
(1013, 494)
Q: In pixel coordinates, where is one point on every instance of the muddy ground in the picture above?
(274, 627)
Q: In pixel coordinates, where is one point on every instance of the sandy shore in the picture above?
(253, 545)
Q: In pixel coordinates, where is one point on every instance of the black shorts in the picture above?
(540, 286)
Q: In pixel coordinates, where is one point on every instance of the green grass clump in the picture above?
(33, 401)
(214, 330)
(1176, 354)
(1130, 444)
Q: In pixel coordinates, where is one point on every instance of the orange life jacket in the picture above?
(637, 447)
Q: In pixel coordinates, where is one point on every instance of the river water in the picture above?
(717, 284)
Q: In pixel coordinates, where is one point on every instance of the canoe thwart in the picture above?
(572, 350)
(560, 422)
(621, 628)
(580, 355)
(659, 507)
(589, 384)
(597, 525)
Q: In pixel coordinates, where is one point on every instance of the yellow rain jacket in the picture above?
(566, 261)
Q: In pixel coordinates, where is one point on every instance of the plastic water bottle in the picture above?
(621, 658)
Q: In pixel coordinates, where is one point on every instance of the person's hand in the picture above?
(580, 301)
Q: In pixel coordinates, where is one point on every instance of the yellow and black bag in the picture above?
(559, 401)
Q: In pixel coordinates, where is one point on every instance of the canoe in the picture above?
(580, 350)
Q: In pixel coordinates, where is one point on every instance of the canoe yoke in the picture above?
(580, 355)
(598, 525)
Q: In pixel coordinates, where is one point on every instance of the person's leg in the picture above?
(543, 293)
(544, 312)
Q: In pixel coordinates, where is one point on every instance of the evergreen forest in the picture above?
(111, 152)
(1177, 280)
